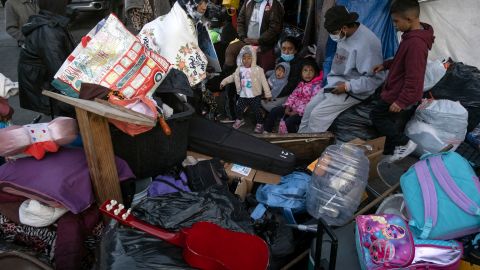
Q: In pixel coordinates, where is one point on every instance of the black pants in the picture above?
(292, 122)
(255, 104)
(231, 101)
(391, 125)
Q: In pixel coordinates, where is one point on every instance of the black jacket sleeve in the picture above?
(242, 24)
(54, 50)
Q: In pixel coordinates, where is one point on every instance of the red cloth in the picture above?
(5, 109)
(404, 84)
(72, 231)
(266, 59)
(38, 150)
(234, 20)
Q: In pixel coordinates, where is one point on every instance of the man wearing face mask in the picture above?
(260, 23)
(351, 78)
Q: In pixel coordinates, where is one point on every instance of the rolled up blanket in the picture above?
(37, 139)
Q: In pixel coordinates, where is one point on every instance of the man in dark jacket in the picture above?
(259, 23)
(47, 45)
(404, 85)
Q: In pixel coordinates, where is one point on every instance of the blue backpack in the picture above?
(290, 194)
(442, 195)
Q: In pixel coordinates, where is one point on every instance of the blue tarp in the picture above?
(375, 14)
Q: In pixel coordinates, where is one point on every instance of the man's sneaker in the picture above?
(238, 124)
(258, 129)
(402, 152)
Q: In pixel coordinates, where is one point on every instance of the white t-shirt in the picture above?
(246, 83)
(253, 26)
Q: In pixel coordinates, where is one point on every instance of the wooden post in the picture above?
(97, 144)
(92, 119)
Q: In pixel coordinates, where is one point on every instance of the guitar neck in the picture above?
(174, 238)
(116, 211)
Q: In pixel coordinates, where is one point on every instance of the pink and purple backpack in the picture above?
(386, 242)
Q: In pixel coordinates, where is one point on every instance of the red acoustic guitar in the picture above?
(205, 245)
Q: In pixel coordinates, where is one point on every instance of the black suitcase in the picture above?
(217, 140)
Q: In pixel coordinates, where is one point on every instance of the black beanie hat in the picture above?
(338, 16)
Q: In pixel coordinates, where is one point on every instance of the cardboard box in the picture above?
(375, 154)
(246, 175)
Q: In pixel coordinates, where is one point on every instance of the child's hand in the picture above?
(312, 51)
(222, 85)
(378, 68)
(395, 108)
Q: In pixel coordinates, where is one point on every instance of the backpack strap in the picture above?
(430, 201)
(451, 188)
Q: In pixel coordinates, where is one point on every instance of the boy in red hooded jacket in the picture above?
(404, 84)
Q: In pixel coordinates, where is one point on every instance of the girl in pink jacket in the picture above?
(292, 110)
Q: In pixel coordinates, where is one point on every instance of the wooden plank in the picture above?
(103, 110)
(275, 136)
(97, 144)
(306, 146)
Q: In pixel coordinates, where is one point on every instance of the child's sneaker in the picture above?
(258, 129)
(238, 123)
(226, 120)
(403, 151)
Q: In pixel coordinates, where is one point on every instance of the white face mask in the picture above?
(197, 15)
(337, 37)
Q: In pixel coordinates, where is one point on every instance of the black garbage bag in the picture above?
(127, 248)
(355, 123)
(461, 83)
(175, 82)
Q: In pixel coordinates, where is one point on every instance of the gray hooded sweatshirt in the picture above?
(276, 85)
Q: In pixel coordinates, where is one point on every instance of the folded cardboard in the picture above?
(374, 152)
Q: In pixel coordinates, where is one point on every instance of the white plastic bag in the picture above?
(437, 124)
(433, 74)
